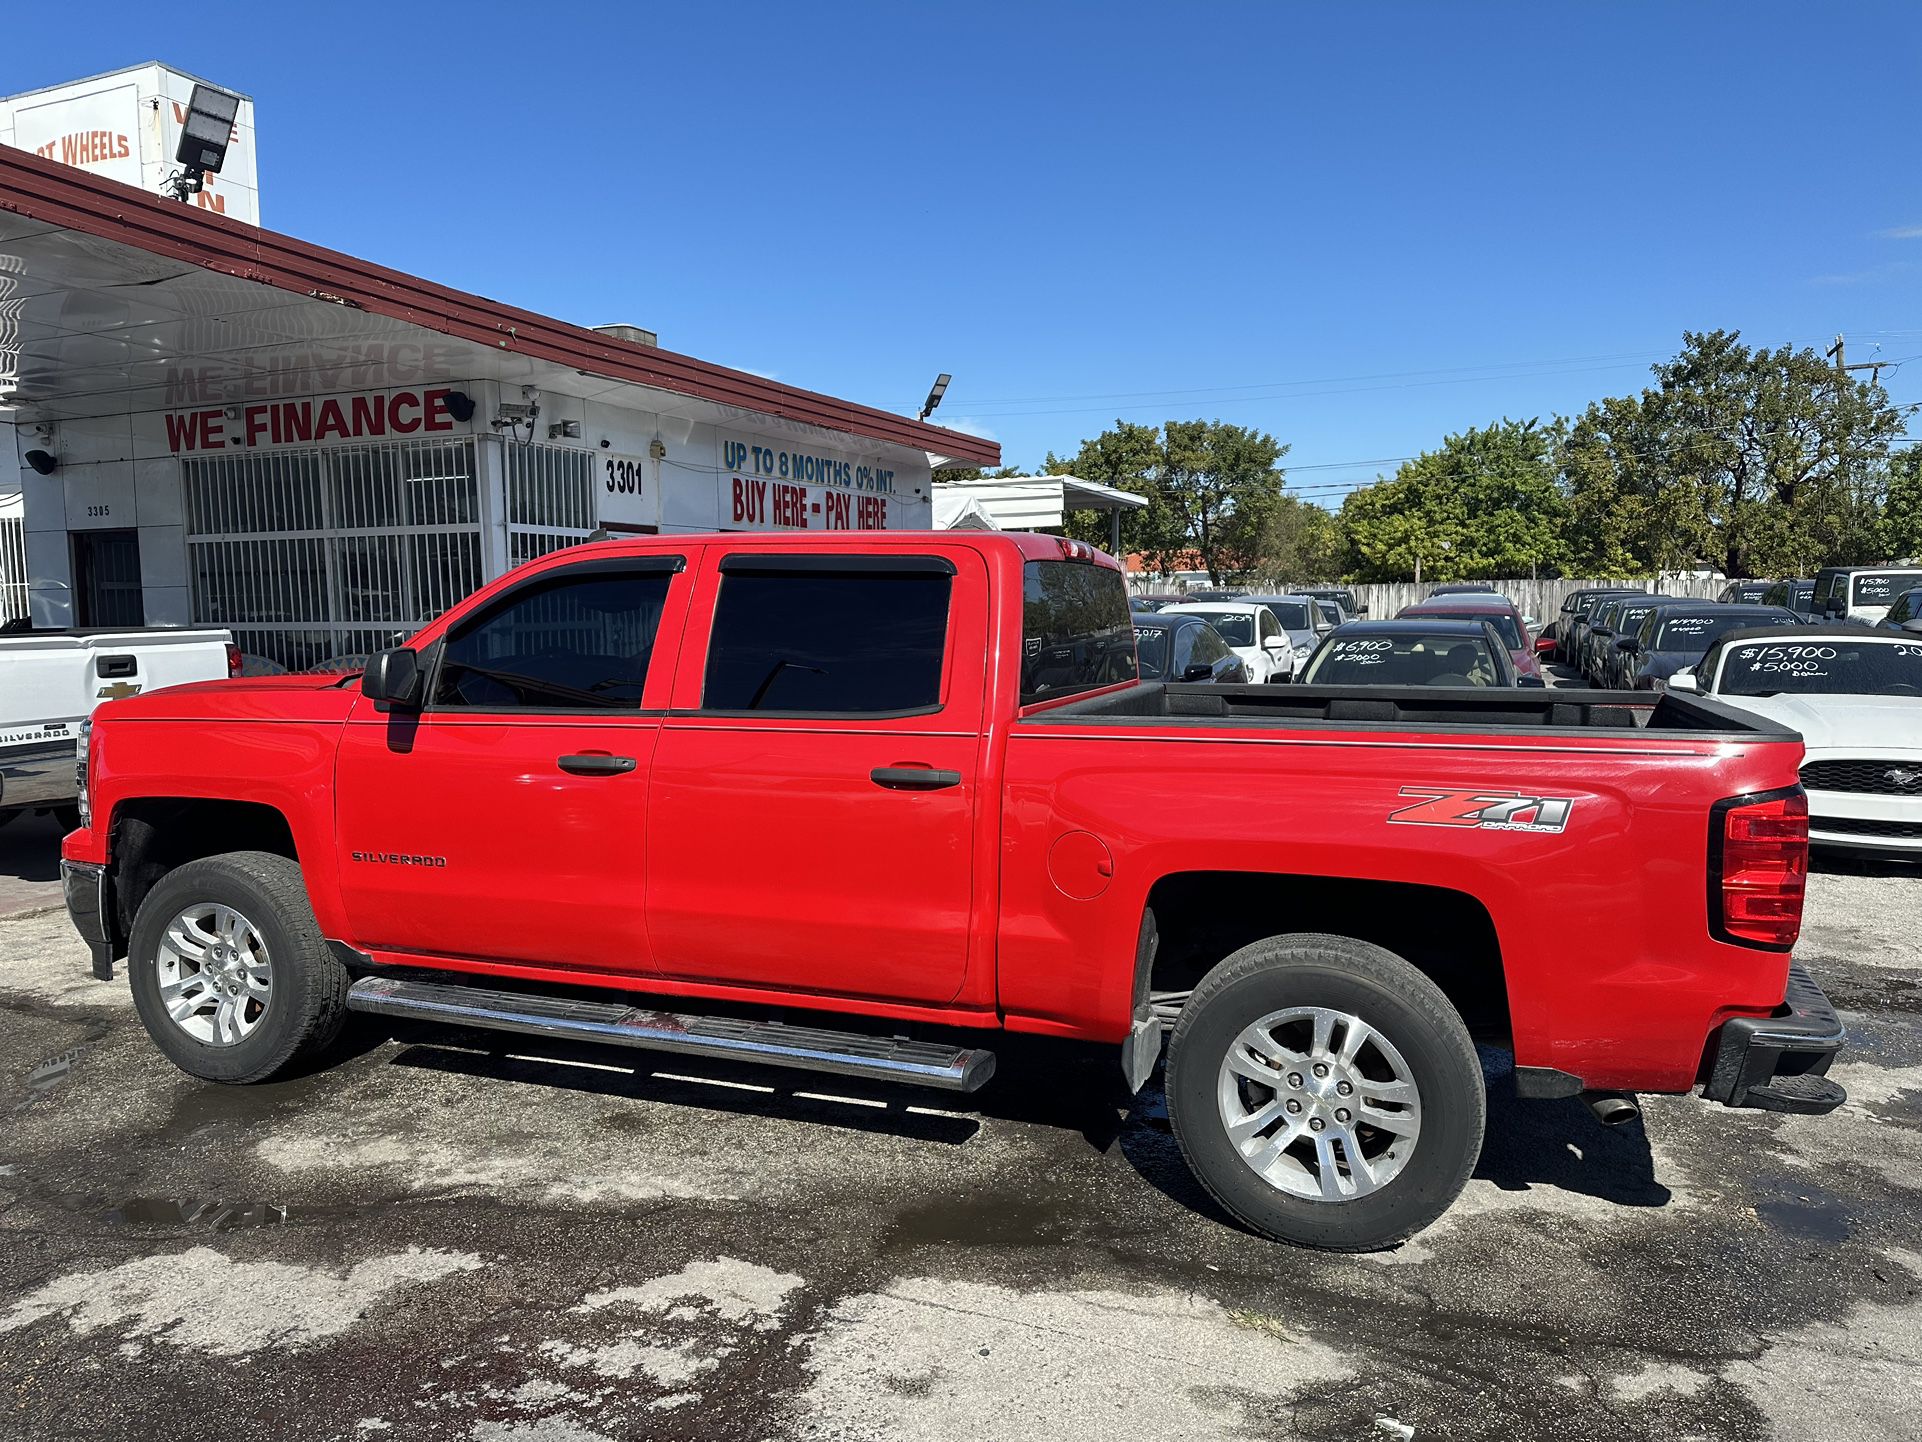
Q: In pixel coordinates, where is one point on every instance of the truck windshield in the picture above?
(1076, 630)
(1410, 659)
(1237, 628)
(1838, 667)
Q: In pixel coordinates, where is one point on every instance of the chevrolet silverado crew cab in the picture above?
(675, 792)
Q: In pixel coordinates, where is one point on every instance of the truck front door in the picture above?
(814, 796)
(507, 820)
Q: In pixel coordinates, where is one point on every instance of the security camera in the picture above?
(42, 462)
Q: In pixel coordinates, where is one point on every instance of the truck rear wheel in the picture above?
(1326, 1092)
(230, 974)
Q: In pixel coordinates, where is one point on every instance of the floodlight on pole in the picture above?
(204, 138)
(934, 396)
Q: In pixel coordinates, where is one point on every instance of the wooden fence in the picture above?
(1540, 599)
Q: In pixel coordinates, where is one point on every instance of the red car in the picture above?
(1497, 610)
(910, 783)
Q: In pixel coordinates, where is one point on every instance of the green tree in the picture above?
(1485, 504)
(1762, 462)
(1209, 486)
(1899, 534)
(1299, 541)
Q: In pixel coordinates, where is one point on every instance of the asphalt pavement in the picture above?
(459, 1236)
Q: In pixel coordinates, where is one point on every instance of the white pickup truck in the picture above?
(50, 682)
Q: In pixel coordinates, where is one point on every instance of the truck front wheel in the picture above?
(230, 973)
(1326, 1092)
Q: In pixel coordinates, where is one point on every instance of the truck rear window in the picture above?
(1076, 630)
(1878, 588)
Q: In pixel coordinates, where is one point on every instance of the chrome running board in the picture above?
(878, 1058)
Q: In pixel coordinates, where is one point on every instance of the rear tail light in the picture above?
(83, 772)
(1759, 868)
(233, 660)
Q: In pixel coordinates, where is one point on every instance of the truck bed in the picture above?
(1417, 707)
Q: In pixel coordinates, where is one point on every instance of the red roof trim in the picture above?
(59, 195)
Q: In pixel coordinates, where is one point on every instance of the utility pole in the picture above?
(1842, 367)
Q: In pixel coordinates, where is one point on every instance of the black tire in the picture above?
(1394, 999)
(307, 1003)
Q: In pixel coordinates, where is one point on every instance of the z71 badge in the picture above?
(1488, 810)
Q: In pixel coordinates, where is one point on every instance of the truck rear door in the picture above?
(815, 790)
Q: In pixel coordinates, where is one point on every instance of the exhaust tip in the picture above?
(1612, 1109)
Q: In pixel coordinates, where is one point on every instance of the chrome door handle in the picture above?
(594, 764)
(913, 778)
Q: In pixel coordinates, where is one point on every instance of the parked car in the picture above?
(1177, 647)
(1745, 593)
(1497, 610)
(1332, 611)
(1414, 653)
(570, 829)
(1677, 634)
(1575, 620)
(1862, 594)
(1600, 653)
(1574, 604)
(1302, 619)
(1627, 627)
(1905, 612)
(1252, 632)
(1856, 698)
(1340, 595)
(51, 681)
(1797, 596)
(1150, 603)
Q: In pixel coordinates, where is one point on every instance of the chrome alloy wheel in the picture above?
(1319, 1104)
(216, 979)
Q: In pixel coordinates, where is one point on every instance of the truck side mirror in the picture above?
(393, 678)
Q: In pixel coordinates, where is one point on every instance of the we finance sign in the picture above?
(313, 421)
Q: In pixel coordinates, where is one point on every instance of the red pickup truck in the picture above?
(912, 780)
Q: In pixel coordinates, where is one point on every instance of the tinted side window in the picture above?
(1209, 646)
(828, 641)
(581, 641)
(1075, 633)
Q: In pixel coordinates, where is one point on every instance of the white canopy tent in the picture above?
(1031, 503)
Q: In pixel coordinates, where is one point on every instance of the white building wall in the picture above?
(125, 473)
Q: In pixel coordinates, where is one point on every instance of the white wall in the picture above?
(120, 473)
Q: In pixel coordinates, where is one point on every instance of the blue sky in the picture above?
(1357, 227)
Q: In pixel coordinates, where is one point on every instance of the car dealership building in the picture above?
(216, 424)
